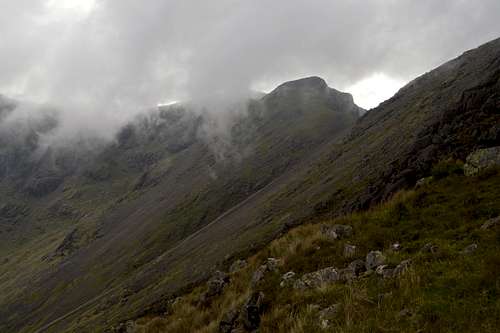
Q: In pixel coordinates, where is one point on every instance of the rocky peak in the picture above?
(312, 90)
(308, 83)
(306, 86)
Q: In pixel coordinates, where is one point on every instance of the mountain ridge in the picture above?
(150, 158)
(307, 164)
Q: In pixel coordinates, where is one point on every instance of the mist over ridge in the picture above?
(100, 63)
(230, 165)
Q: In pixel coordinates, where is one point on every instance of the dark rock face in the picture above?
(449, 112)
(252, 310)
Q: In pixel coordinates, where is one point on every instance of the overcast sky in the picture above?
(108, 58)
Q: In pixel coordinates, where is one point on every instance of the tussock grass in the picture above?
(444, 291)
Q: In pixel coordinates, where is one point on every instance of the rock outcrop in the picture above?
(482, 159)
(349, 250)
(374, 259)
(271, 265)
(288, 279)
(318, 278)
(337, 231)
(215, 287)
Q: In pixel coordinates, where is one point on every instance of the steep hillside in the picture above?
(159, 213)
(448, 112)
(92, 226)
(432, 258)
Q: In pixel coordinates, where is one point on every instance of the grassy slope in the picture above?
(445, 292)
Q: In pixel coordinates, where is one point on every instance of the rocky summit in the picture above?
(299, 212)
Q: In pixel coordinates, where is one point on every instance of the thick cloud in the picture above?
(104, 60)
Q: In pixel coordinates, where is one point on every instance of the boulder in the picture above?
(271, 265)
(287, 279)
(357, 266)
(491, 223)
(252, 310)
(343, 231)
(329, 233)
(337, 231)
(299, 285)
(327, 314)
(215, 287)
(346, 274)
(258, 275)
(374, 259)
(482, 159)
(396, 247)
(319, 278)
(349, 250)
(384, 271)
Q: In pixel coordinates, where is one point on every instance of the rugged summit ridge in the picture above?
(308, 89)
(313, 83)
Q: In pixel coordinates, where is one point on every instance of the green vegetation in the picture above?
(445, 290)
